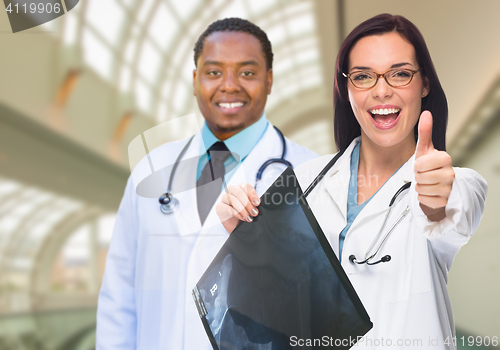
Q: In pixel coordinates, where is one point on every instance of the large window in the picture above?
(144, 47)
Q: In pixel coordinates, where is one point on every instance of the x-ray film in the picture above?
(277, 280)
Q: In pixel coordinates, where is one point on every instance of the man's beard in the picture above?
(231, 128)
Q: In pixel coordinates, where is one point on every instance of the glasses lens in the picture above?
(399, 77)
(363, 80)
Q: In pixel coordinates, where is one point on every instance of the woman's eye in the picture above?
(401, 74)
(361, 77)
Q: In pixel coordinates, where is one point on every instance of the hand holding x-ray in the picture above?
(238, 204)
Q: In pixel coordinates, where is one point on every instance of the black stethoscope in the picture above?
(369, 255)
(168, 203)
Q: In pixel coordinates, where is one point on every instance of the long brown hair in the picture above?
(345, 124)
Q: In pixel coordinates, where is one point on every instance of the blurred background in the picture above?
(75, 91)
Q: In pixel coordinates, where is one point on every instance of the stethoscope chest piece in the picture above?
(168, 203)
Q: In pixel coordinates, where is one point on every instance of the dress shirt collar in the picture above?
(241, 143)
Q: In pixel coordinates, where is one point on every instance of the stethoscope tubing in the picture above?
(369, 258)
(168, 203)
(391, 203)
(282, 159)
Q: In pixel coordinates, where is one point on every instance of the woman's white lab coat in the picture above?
(406, 298)
(155, 259)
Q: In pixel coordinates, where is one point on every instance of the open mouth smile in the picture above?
(230, 107)
(386, 117)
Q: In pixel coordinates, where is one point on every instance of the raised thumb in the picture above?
(424, 142)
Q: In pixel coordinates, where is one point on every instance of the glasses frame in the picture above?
(413, 72)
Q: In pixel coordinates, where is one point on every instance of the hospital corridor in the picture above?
(75, 92)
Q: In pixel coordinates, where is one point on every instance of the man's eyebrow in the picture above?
(396, 65)
(215, 63)
(249, 63)
(244, 63)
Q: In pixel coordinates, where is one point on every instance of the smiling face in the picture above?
(387, 115)
(231, 82)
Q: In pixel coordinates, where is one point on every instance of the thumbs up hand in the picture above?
(434, 174)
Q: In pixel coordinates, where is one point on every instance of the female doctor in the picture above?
(390, 125)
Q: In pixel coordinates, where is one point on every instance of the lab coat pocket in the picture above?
(408, 272)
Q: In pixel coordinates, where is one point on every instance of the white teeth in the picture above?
(230, 105)
(384, 111)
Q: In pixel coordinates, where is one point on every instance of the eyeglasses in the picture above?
(394, 77)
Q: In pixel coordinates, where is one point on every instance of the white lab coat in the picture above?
(155, 259)
(406, 298)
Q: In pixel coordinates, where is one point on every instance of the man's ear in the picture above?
(194, 82)
(269, 80)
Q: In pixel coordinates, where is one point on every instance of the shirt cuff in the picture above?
(454, 221)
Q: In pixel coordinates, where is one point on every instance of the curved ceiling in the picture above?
(144, 47)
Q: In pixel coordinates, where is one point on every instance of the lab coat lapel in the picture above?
(337, 179)
(187, 217)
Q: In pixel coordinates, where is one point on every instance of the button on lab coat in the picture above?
(406, 298)
(155, 260)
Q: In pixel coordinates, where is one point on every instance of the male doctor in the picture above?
(155, 259)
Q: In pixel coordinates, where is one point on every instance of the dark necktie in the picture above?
(207, 189)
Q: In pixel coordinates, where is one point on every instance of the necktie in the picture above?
(207, 189)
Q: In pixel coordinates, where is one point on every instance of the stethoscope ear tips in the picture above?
(386, 258)
(352, 258)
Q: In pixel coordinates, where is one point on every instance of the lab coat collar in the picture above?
(337, 178)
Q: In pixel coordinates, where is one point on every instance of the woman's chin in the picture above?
(387, 142)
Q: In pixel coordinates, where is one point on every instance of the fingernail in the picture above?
(249, 218)
(255, 201)
(254, 212)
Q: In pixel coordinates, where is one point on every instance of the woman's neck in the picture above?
(383, 161)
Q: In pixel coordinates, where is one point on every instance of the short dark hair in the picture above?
(345, 124)
(234, 24)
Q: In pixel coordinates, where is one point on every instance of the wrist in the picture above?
(433, 214)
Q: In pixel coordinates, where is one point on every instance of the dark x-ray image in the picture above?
(277, 280)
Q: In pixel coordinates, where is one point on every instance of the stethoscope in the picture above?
(385, 258)
(168, 203)
(368, 257)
